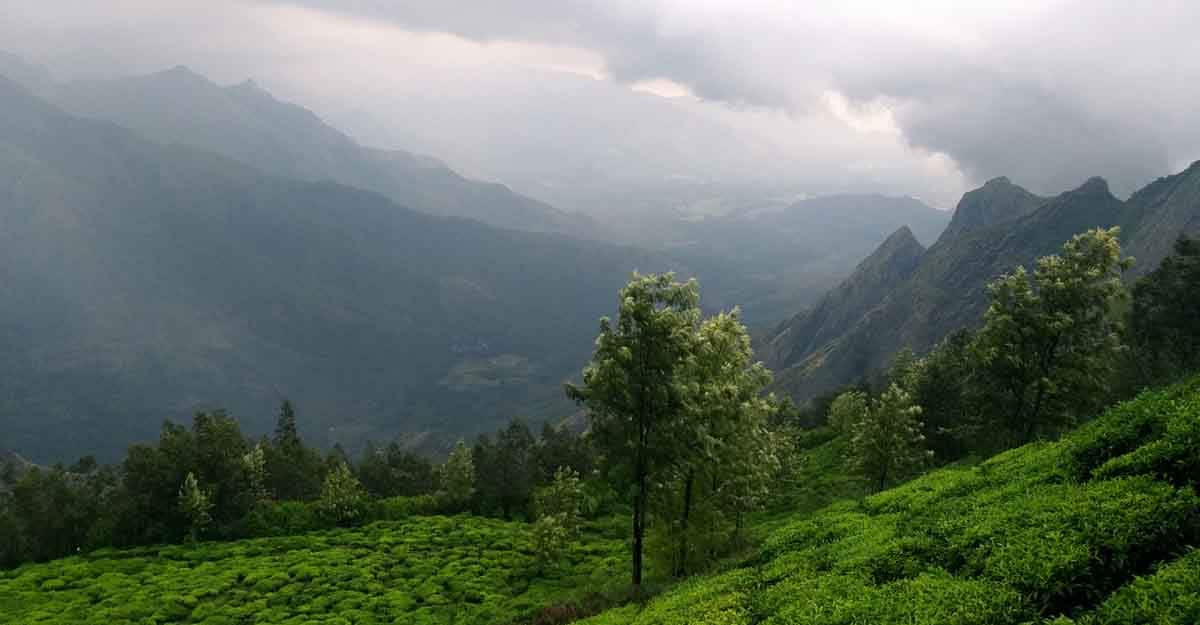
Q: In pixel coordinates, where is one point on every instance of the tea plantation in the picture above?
(422, 570)
(1097, 528)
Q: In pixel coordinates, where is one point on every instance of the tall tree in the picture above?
(558, 447)
(943, 386)
(1165, 319)
(342, 497)
(886, 442)
(196, 505)
(1048, 346)
(725, 454)
(633, 387)
(286, 432)
(392, 471)
(456, 478)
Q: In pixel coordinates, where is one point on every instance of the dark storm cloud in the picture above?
(1048, 95)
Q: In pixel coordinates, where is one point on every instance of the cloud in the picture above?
(1048, 94)
(866, 95)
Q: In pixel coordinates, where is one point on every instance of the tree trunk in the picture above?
(639, 529)
(681, 564)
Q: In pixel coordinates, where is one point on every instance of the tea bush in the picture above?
(421, 570)
(1085, 530)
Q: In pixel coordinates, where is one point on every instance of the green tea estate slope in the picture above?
(154, 280)
(1100, 527)
(426, 570)
(246, 123)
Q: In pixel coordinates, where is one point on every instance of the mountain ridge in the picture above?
(249, 124)
(157, 280)
(945, 291)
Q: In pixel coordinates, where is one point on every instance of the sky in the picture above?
(561, 98)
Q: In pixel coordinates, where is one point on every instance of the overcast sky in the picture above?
(927, 100)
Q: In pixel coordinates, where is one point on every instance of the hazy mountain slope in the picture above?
(246, 123)
(147, 280)
(890, 264)
(946, 291)
(773, 262)
(1159, 213)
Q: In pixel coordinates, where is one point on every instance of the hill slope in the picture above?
(779, 260)
(154, 280)
(246, 123)
(995, 229)
(431, 570)
(1100, 527)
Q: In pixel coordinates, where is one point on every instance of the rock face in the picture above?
(888, 266)
(996, 202)
(861, 324)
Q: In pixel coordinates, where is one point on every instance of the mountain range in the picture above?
(147, 280)
(904, 295)
(178, 245)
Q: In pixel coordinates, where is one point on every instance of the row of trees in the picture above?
(211, 481)
(1055, 346)
(678, 418)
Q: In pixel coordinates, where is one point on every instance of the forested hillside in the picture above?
(155, 280)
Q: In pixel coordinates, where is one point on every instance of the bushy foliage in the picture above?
(1165, 317)
(1048, 345)
(459, 570)
(1169, 596)
(884, 434)
(456, 478)
(195, 504)
(1048, 532)
(343, 500)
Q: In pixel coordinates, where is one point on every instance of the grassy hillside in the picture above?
(1099, 527)
(423, 570)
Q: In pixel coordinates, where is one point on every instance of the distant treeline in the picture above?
(211, 481)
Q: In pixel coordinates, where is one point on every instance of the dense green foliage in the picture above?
(1048, 346)
(679, 419)
(210, 481)
(422, 570)
(1165, 320)
(1098, 527)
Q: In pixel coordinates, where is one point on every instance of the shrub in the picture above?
(283, 518)
(1171, 596)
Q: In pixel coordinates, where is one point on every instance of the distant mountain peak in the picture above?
(33, 77)
(890, 264)
(902, 237)
(997, 201)
(1095, 184)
